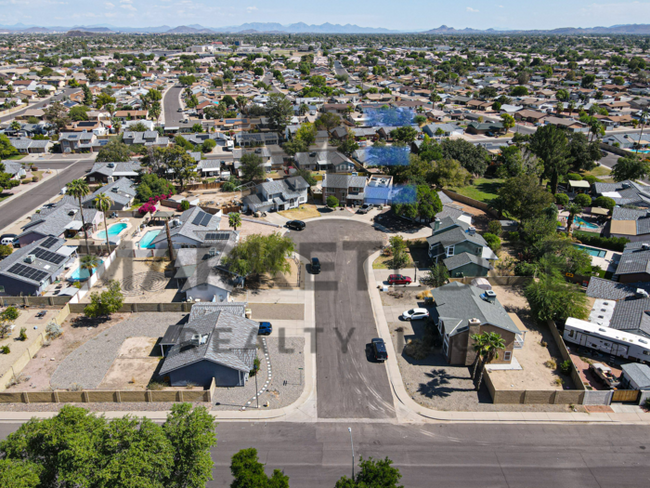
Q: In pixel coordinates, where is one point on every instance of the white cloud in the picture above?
(250, 10)
(470, 9)
(109, 5)
(500, 6)
(126, 5)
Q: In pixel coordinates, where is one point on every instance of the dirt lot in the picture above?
(306, 211)
(135, 365)
(39, 370)
(249, 228)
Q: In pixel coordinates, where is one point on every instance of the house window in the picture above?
(91, 178)
(507, 356)
(571, 333)
(647, 353)
(450, 251)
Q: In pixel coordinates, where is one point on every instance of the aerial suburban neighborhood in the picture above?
(279, 254)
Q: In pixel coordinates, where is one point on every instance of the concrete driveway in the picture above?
(348, 385)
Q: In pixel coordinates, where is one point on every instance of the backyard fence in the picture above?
(33, 301)
(547, 397)
(471, 202)
(497, 280)
(141, 307)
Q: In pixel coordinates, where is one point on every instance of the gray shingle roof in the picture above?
(107, 169)
(455, 236)
(611, 290)
(190, 230)
(639, 373)
(632, 315)
(53, 222)
(332, 180)
(121, 191)
(464, 258)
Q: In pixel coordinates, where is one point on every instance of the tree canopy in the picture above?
(114, 152)
(258, 254)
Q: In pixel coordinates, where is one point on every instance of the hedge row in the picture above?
(611, 243)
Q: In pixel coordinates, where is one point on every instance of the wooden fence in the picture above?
(471, 202)
(142, 307)
(546, 397)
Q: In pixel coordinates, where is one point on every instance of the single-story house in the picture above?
(121, 192)
(193, 228)
(107, 172)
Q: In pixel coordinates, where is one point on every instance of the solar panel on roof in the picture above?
(206, 219)
(197, 220)
(27, 272)
(49, 256)
(217, 236)
(49, 242)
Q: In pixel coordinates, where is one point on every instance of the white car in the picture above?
(415, 314)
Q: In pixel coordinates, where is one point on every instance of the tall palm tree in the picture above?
(479, 346)
(103, 203)
(573, 209)
(78, 189)
(89, 262)
(234, 220)
(644, 116)
(493, 344)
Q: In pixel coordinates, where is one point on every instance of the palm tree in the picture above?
(77, 189)
(234, 220)
(573, 209)
(644, 116)
(242, 102)
(493, 343)
(89, 262)
(478, 346)
(103, 203)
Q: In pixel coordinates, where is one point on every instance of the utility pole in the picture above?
(169, 242)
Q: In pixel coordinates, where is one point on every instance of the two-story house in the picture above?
(461, 249)
(348, 189)
(147, 138)
(278, 195)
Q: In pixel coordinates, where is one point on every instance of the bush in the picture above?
(256, 367)
(228, 187)
(514, 236)
(574, 176)
(591, 239)
(147, 208)
(582, 200)
(493, 241)
(53, 330)
(591, 179)
(35, 179)
(605, 202)
(565, 367)
(155, 385)
(184, 205)
(24, 182)
(332, 201)
(23, 334)
(494, 227)
(5, 350)
(562, 199)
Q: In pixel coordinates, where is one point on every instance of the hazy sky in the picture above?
(405, 15)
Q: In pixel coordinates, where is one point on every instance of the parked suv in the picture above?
(265, 328)
(398, 279)
(364, 208)
(315, 266)
(415, 314)
(295, 224)
(379, 350)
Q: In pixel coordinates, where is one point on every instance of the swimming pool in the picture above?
(113, 230)
(145, 242)
(592, 251)
(82, 274)
(583, 223)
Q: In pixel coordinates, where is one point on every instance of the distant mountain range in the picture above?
(302, 28)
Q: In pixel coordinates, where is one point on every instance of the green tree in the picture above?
(103, 203)
(79, 113)
(18, 474)
(78, 189)
(306, 175)
(417, 202)
(155, 110)
(523, 197)
(582, 153)
(114, 152)
(181, 164)
(493, 241)
(248, 472)
(631, 168)
(234, 220)
(447, 173)
(106, 303)
(252, 167)
(5, 251)
(306, 133)
(438, 275)
(406, 134)
(6, 148)
(490, 352)
(549, 143)
(332, 201)
(398, 248)
(347, 145)
(88, 262)
(152, 185)
(582, 199)
(562, 95)
(472, 157)
(552, 298)
(258, 254)
(508, 121)
(279, 111)
(373, 474)
(88, 96)
(104, 99)
(328, 121)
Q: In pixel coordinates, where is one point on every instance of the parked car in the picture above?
(364, 208)
(63, 190)
(179, 109)
(379, 351)
(265, 328)
(398, 279)
(315, 266)
(41, 314)
(7, 239)
(295, 224)
(415, 314)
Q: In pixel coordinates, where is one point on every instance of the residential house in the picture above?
(626, 192)
(15, 169)
(324, 161)
(25, 145)
(108, 172)
(193, 228)
(635, 376)
(461, 249)
(221, 139)
(631, 223)
(121, 191)
(218, 343)
(460, 311)
(379, 190)
(254, 139)
(348, 189)
(484, 128)
(443, 130)
(634, 264)
(80, 141)
(124, 115)
(277, 195)
(149, 138)
(30, 269)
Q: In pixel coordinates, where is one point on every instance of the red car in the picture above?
(396, 279)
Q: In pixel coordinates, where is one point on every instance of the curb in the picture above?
(16, 195)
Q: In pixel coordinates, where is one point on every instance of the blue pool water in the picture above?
(145, 242)
(592, 251)
(113, 230)
(82, 274)
(582, 223)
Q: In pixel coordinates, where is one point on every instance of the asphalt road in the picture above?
(172, 103)
(40, 194)
(443, 455)
(348, 384)
(66, 92)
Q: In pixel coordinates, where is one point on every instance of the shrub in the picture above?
(551, 364)
(493, 241)
(228, 187)
(256, 367)
(605, 202)
(494, 227)
(416, 349)
(332, 201)
(565, 367)
(5, 350)
(53, 330)
(525, 269)
(184, 205)
(23, 334)
(35, 179)
(24, 182)
(513, 236)
(562, 199)
(591, 179)
(611, 243)
(155, 385)
(147, 208)
(582, 200)
(574, 176)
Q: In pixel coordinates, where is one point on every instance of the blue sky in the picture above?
(401, 15)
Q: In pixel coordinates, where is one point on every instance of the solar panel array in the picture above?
(202, 219)
(198, 218)
(49, 242)
(48, 256)
(27, 272)
(217, 236)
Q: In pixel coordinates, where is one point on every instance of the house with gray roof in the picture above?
(324, 161)
(221, 139)
(193, 228)
(25, 145)
(635, 376)
(30, 269)
(149, 138)
(121, 192)
(443, 130)
(251, 139)
(277, 195)
(631, 223)
(461, 311)
(15, 169)
(210, 167)
(348, 189)
(461, 249)
(107, 172)
(625, 192)
(219, 346)
(613, 290)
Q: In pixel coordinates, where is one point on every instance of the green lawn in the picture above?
(599, 172)
(17, 157)
(483, 189)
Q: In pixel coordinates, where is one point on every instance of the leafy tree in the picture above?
(155, 110)
(19, 474)
(508, 121)
(234, 220)
(78, 189)
(494, 227)
(184, 143)
(537, 228)
(552, 298)
(328, 122)
(549, 143)
(492, 344)
(493, 241)
(519, 91)
(208, 145)
(562, 94)
(417, 202)
(523, 197)
(152, 185)
(513, 161)
(138, 127)
(114, 152)
(279, 111)
(6, 148)
(438, 275)
(103, 100)
(372, 473)
(347, 145)
(605, 202)
(332, 201)
(306, 175)
(248, 472)
(447, 173)
(582, 199)
(88, 96)
(631, 168)
(306, 133)
(582, 153)
(186, 80)
(258, 254)
(472, 157)
(103, 203)
(406, 134)
(400, 257)
(106, 303)
(5, 251)
(252, 167)
(587, 81)
(181, 164)
(79, 113)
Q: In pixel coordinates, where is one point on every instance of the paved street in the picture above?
(66, 92)
(348, 385)
(40, 194)
(443, 455)
(172, 103)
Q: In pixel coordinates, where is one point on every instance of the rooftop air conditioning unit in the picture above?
(30, 258)
(111, 165)
(645, 246)
(213, 251)
(195, 340)
(489, 296)
(115, 189)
